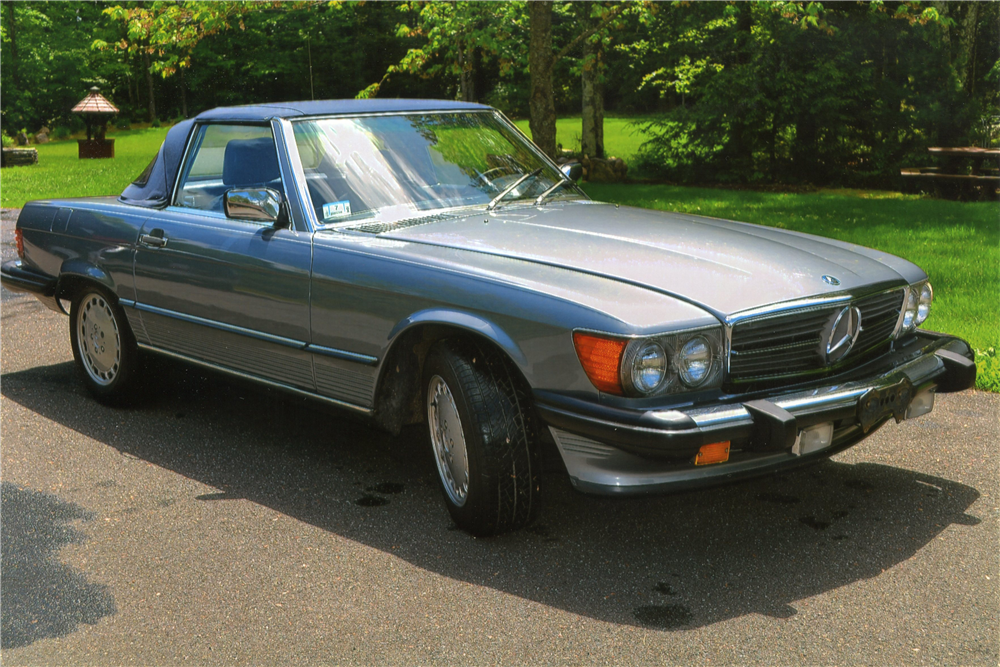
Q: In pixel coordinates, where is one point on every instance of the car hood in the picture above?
(723, 266)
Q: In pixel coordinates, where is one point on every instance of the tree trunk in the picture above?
(772, 148)
(805, 152)
(592, 141)
(966, 43)
(12, 30)
(540, 61)
(149, 83)
(184, 100)
(128, 80)
(466, 74)
(740, 147)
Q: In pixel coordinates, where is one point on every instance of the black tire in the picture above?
(503, 466)
(106, 356)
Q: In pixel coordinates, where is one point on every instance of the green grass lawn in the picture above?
(621, 137)
(956, 243)
(60, 173)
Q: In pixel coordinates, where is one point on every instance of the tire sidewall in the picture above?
(478, 502)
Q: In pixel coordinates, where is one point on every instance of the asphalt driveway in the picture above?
(218, 523)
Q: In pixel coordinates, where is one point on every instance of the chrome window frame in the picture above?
(296, 223)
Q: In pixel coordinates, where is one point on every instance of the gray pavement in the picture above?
(218, 523)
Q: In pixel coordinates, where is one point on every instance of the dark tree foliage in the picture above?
(47, 62)
(789, 92)
(742, 92)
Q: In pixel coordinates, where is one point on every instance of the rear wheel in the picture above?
(478, 419)
(103, 346)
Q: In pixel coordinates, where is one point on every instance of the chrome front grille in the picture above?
(774, 348)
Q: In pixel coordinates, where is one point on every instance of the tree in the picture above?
(166, 33)
(47, 62)
(541, 63)
(457, 40)
(805, 92)
(600, 18)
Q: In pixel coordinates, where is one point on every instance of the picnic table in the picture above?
(972, 166)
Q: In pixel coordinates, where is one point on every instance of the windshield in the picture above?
(387, 168)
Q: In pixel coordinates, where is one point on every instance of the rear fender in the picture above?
(75, 271)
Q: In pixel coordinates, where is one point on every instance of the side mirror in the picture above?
(572, 170)
(263, 204)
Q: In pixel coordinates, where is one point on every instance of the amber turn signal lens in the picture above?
(601, 358)
(717, 452)
(19, 240)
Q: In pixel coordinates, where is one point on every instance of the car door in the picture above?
(226, 291)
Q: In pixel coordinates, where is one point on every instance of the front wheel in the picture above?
(103, 347)
(478, 419)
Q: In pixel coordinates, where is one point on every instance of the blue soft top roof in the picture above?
(332, 107)
(154, 191)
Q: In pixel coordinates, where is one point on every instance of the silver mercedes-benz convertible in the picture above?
(421, 261)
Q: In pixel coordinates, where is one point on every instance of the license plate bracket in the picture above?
(877, 404)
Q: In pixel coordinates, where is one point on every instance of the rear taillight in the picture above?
(19, 240)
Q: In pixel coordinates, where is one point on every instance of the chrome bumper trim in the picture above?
(813, 400)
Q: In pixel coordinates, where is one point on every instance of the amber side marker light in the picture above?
(717, 452)
(19, 240)
(601, 358)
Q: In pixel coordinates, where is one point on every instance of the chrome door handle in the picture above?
(154, 240)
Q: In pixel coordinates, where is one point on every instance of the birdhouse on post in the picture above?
(96, 111)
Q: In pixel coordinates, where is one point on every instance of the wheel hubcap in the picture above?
(448, 440)
(98, 339)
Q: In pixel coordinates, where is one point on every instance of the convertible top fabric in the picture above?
(156, 191)
(331, 108)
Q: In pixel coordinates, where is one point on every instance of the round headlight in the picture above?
(924, 304)
(911, 309)
(694, 361)
(649, 367)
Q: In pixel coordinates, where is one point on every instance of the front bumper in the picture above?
(616, 451)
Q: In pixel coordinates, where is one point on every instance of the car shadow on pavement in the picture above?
(41, 597)
(669, 562)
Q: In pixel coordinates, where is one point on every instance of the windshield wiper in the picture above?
(510, 188)
(541, 197)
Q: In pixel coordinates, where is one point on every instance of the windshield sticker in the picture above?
(336, 209)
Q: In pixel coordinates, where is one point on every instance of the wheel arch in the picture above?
(398, 388)
(77, 274)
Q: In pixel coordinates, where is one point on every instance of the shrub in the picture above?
(61, 132)
(8, 142)
(988, 375)
(123, 124)
(156, 123)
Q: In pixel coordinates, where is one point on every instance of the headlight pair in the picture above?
(648, 366)
(917, 306)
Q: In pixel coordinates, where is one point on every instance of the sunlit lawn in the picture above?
(957, 243)
(621, 137)
(60, 173)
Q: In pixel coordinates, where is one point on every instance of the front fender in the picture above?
(462, 320)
